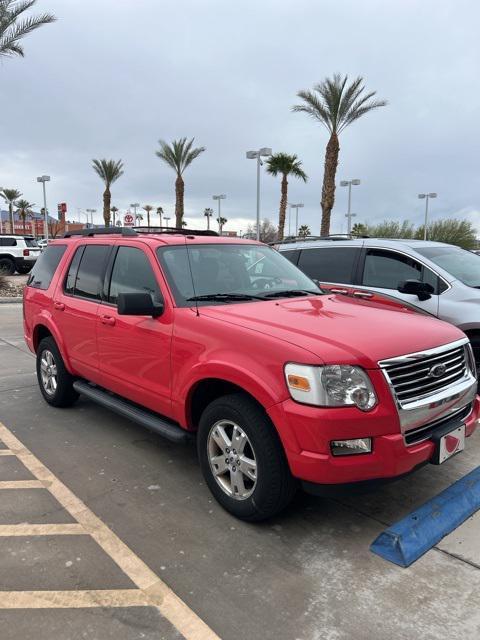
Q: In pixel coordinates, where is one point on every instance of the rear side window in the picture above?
(132, 273)
(46, 265)
(291, 254)
(330, 264)
(8, 242)
(89, 279)
(31, 242)
(72, 272)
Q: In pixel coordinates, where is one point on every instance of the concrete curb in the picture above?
(9, 300)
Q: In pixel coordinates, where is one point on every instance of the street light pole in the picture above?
(43, 180)
(426, 197)
(257, 155)
(166, 218)
(135, 205)
(220, 198)
(91, 212)
(349, 215)
(297, 206)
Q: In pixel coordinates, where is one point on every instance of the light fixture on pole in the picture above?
(43, 180)
(349, 215)
(135, 205)
(91, 212)
(219, 198)
(426, 197)
(297, 206)
(166, 218)
(257, 155)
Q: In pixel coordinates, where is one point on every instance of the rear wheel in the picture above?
(242, 459)
(56, 384)
(7, 267)
(24, 269)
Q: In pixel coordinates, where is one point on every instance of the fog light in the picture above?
(351, 447)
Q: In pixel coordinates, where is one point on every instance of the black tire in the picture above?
(24, 269)
(7, 267)
(274, 486)
(63, 394)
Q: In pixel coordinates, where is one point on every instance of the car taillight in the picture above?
(26, 252)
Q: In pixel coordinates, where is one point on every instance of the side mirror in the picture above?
(423, 290)
(138, 304)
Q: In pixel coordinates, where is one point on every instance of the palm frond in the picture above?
(285, 164)
(179, 154)
(108, 170)
(12, 29)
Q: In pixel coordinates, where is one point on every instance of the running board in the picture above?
(150, 420)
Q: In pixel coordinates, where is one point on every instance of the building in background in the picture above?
(34, 224)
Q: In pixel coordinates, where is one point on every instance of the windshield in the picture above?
(462, 265)
(235, 272)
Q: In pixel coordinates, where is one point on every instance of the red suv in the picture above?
(190, 333)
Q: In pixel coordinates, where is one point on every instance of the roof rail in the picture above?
(175, 230)
(98, 231)
(332, 237)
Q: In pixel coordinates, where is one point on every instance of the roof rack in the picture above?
(98, 231)
(333, 237)
(175, 230)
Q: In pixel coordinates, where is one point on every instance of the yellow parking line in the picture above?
(154, 591)
(21, 484)
(7, 530)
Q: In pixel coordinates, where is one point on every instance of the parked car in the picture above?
(17, 253)
(191, 334)
(438, 279)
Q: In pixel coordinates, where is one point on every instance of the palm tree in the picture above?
(138, 217)
(184, 223)
(304, 231)
(10, 195)
(284, 164)
(109, 171)
(148, 208)
(114, 212)
(221, 222)
(208, 213)
(24, 209)
(160, 214)
(335, 106)
(359, 229)
(179, 155)
(13, 27)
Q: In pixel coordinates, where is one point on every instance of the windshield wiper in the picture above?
(224, 297)
(290, 293)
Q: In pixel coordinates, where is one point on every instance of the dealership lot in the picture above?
(307, 575)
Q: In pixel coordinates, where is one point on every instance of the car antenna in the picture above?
(191, 271)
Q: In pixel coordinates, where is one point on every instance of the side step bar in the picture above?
(150, 420)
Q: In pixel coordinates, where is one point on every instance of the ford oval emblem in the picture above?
(438, 370)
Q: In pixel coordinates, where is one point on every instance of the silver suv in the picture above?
(432, 277)
(17, 253)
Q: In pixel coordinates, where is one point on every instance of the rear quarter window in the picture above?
(8, 242)
(45, 267)
(330, 264)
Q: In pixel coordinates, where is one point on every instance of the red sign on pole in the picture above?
(128, 220)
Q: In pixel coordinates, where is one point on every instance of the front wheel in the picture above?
(56, 384)
(242, 459)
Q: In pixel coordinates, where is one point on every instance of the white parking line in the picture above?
(151, 590)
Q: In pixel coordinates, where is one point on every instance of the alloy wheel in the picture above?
(48, 371)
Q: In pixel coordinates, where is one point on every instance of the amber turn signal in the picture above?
(298, 382)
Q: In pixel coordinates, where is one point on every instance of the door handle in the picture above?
(59, 306)
(363, 294)
(345, 291)
(108, 320)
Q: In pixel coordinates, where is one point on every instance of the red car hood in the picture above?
(339, 329)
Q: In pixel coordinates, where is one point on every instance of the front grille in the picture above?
(413, 378)
(414, 436)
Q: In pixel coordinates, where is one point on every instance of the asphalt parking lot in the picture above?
(106, 530)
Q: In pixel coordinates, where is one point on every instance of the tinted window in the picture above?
(90, 272)
(31, 242)
(292, 255)
(132, 273)
(72, 271)
(386, 269)
(8, 242)
(46, 265)
(329, 264)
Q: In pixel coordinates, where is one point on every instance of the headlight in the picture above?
(335, 385)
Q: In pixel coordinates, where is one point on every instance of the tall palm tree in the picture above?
(148, 208)
(10, 195)
(138, 218)
(109, 171)
(24, 209)
(160, 214)
(221, 221)
(14, 27)
(335, 105)
(208, 213)
(285, 165)
(179, 155)
(114, 212)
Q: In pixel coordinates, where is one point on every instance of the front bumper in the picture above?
(306, 433)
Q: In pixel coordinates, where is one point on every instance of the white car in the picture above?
(17, 253)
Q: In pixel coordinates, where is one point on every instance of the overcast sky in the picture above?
(111, 77)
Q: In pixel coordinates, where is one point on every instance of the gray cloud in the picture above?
(111, 77)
